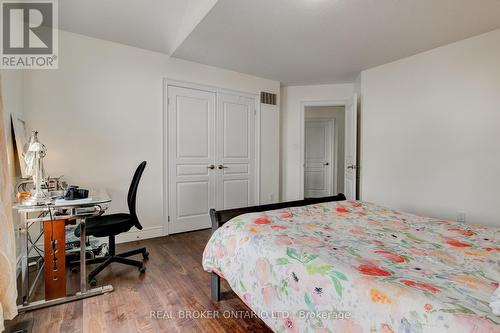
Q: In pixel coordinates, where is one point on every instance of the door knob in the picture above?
(211, 166)
(351, 166)
(327, 164)
(222, 166)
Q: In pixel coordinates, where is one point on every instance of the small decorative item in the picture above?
(22, 196)
(34, 167)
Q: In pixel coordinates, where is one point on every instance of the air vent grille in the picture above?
(268, 98)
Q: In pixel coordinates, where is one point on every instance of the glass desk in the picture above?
(79, 210)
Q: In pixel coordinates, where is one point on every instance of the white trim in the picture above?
(164, 154)
(189, 85)
(151, 232)
(183, 84)
(214, 89)
(257, 150)
(303, 105)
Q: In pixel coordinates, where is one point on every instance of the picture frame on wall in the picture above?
(21, 137)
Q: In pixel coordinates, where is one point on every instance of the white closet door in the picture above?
(318, 158)
(235, 151)
(192, 153)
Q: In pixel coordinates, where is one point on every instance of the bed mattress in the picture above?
(351, 266)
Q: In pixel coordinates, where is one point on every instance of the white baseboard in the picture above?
(151, 232)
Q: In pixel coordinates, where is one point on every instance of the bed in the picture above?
(331, 265)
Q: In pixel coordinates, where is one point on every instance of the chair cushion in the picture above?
(107, 225)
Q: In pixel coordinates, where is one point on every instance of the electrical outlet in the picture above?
(461, 217)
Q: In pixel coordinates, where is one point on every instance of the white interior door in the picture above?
(192, 158)
(351, 132)
(318, 158)
(235, 151)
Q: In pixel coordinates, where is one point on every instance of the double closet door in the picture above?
(211, 155)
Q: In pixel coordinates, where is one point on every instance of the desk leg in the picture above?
(24, 259)
(83, 266)
(83, 293)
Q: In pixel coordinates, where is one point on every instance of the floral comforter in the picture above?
(351, 266)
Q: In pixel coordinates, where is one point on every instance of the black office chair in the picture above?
(112, 225)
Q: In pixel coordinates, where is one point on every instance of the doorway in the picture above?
(324, 150)
(346, 168)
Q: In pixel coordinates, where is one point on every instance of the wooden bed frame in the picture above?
(219, 217)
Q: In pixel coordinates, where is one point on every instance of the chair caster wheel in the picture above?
(145, 255)
(93, 282)
(74, 269)
(142, 269)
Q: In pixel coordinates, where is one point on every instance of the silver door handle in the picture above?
(351, 166)
(222, 166)
(211, 166)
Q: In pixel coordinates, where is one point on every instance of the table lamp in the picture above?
(34, 167)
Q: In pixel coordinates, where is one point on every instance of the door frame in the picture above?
(164, 138)
(302, 120)
(333, 153)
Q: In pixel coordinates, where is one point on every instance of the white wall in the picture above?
(431, 132)
(291, 103)
(270, 152)
(338, 114)
(100, 114)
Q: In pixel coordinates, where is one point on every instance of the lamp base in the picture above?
(37, 199)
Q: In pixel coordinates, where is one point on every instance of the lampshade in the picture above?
(30, 158)
(34, 168)
(36, 147)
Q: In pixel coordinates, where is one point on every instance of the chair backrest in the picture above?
(132, 194)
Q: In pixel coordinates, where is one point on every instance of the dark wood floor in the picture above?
(173, 284)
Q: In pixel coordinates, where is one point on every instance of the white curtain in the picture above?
(8, 289)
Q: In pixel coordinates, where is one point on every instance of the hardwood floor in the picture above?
(173, 284)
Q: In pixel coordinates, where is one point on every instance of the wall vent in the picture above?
(268, 98)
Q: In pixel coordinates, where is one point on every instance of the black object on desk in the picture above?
(74, 193)
(112, 225)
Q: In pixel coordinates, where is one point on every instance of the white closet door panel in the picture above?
(193, 127)
(236, 193)
(192, 170)
(236, 151)
(192, 198)
(191, 151)
(236, 123)
(237, 169)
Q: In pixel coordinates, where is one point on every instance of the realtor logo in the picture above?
(29, 34)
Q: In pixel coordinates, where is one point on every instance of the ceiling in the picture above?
(157, 25)
(329, 41)
(291, 41)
